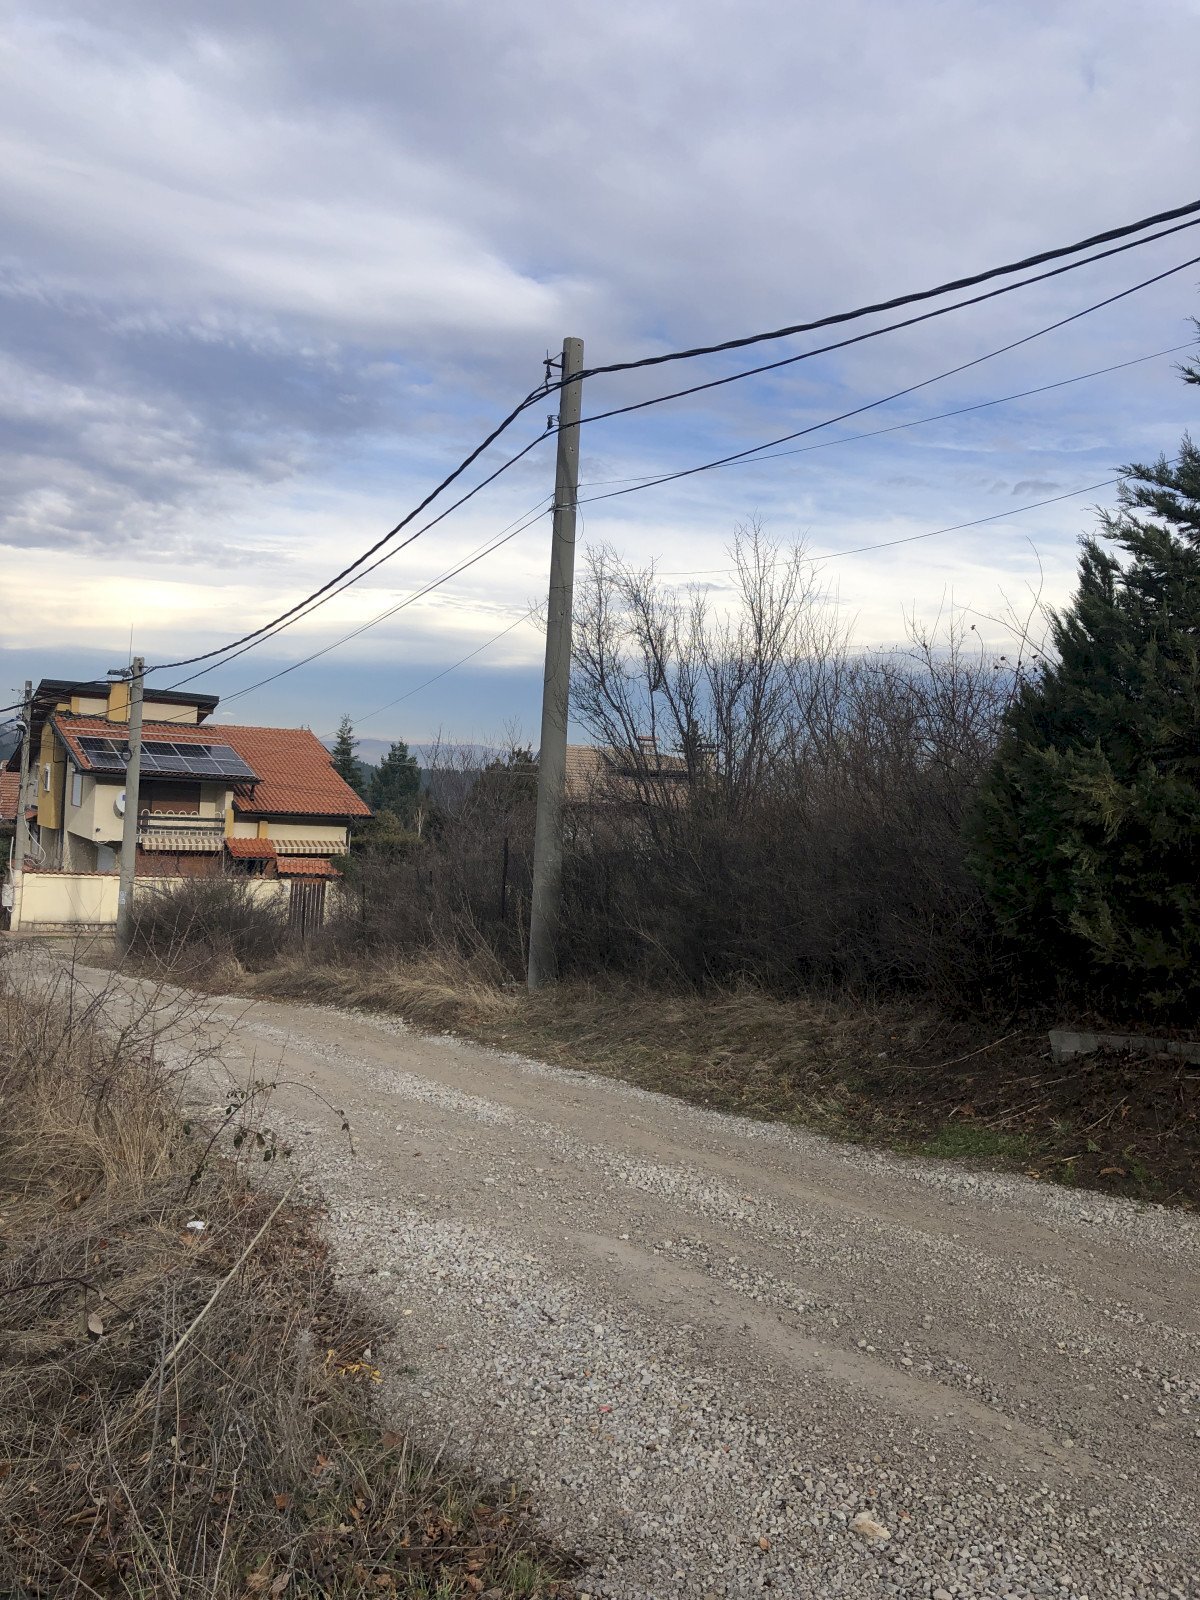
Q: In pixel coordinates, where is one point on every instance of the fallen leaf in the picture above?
(1119, 1172)
(764, 1543)
(390, 1440)
(281, 1583)
(95, 1325)
(283, 1502)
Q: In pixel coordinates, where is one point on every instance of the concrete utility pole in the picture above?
(21, 837)
(546, 908)
(129, 823)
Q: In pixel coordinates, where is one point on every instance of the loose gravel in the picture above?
(731, 1359)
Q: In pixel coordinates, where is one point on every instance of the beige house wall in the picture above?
(89, 899)
(95, 817)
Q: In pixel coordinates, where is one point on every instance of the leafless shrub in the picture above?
(464, 884)
(184, 1410)
(199, 922)
(820, 836)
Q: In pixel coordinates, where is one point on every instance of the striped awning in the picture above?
(179, 840)
(311, 847)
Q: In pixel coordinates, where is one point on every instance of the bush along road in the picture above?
(727, 1357)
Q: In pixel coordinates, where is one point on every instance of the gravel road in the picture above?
(730, 1358)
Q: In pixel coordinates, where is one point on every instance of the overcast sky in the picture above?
(267, 271)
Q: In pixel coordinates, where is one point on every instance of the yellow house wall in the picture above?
(161, 711)
(86, 705)
(116, 709)
(95, 817)
(54, 756)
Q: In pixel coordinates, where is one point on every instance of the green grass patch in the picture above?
(960, 1141)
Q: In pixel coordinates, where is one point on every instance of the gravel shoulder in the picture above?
(731, 1358)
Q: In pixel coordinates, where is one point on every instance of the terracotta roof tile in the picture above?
(251, 849)
(306, 867)
(296, 776)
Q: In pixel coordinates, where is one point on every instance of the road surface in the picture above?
(730, 1358)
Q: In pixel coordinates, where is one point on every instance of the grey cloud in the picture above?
(245, 242)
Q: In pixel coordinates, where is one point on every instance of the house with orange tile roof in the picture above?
(213, 797)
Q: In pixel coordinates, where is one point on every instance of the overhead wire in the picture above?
(1123, 232)
(913, 298)
(528, 518)
(419, 594)
(855, 411)
(269, 628)
(453, 667)
(937, 416)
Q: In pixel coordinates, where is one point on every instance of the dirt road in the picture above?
(731, 1358)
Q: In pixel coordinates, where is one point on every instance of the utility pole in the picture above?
(129, 823)
(546, 908)
(21, 838)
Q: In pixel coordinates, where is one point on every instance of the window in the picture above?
(76, 788)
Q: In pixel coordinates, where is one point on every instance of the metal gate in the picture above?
(306, 908)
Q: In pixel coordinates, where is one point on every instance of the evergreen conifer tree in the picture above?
(345, 762)
(1087, 833)
(396, 783)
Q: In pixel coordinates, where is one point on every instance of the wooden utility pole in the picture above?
(129, 823)
(546, 907)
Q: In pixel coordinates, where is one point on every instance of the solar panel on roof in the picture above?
(199, 760)
(216, 761)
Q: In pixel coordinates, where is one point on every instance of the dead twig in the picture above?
(187, 1333)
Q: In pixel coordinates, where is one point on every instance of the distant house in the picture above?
(606, 777)
(264, 802)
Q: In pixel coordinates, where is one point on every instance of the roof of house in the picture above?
(10, 788)
(251, 849)
(296, 777)
(596, 772)
(305, 867)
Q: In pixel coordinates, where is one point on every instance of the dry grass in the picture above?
(905, 1075)
(186, 1412)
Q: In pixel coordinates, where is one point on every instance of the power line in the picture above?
(914, 298)
(938, 416)
(284, 617)
(447, 670)
(934, 533)
(1066, 250)
(383, 616)
(855, 411)
(977, 522)
(908, 322)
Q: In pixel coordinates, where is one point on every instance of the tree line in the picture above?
(785, 808)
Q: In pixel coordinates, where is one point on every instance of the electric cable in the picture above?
(950, 287)
(1057, 253)
(938, 416)
(166, 666)
(892, 327)
(191, 678)
(408, 694)
(392, 610)
(815, 427)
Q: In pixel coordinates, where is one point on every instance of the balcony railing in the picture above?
(180, 830)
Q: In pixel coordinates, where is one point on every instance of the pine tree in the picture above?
(345, 762)
(1087, 833)
(396, 783)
